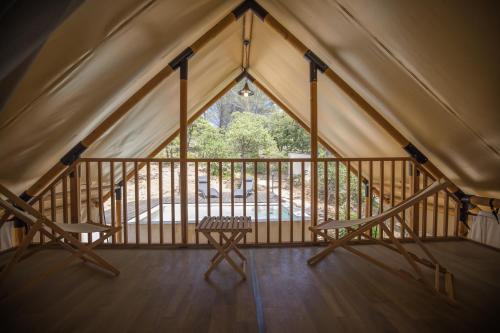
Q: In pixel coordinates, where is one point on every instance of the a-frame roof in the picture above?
(428, 68)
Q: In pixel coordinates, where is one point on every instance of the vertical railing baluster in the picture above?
(393, 191)
(435, 214)
(137, 198)
(113, 197)
(279, 203)
(40, 210)
(348, 191)
(302, 199)
(160, 200)
(325, 190)
(424, 208)
(65, 198)
(268, 224)
(88, 196)
(125, 202)
(415, 210)
(148, 198)
(172, 200)
(99, 192)
(291, 201)
(370, 192)
(381, 196)
(209, 204)
(53, 215)
(256, 200)
(445, 213)
(220, 189)
(244, 169)
(360, 193)
(196, 202)
(457, 218)
(403, 195)
(337, 194)
(232, 189)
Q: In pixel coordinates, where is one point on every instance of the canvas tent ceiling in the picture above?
(429, 68)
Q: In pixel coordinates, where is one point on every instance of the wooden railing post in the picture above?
(313, 76)
(74, 178)
(415, 216)
(118, 213)
(183, 148)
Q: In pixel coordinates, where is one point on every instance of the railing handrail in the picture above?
(240, 160)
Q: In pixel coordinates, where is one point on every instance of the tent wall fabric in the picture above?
(429, 68)
(485, 230)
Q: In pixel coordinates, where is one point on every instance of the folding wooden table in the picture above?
(236, 227)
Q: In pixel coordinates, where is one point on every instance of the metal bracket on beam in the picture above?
(464, 207)
(313, 58)
(73, 154)
(257, 9)
(183, 56)
(118, 193)
(415, 153)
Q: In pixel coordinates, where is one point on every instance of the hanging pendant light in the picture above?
(245, 92)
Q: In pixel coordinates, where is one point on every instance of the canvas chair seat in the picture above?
(82, 228)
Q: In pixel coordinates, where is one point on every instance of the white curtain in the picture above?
(6, 236)
(485, 229)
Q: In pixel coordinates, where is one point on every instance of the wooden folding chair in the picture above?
(363, 227)
(58, 233)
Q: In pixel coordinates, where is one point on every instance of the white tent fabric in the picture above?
(485, 229)
(431, 69)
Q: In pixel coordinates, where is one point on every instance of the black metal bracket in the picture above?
(257, 9)
(183, 56)
(313, 58)
(415, 153)
(73, 154)
(465, 206)
(118, 193)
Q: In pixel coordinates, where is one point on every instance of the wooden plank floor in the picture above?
(164, 290)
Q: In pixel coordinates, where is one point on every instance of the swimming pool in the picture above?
(226, 210)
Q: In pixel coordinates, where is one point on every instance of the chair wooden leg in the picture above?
(19, 252)
(325, 252)
(403, 251)
(84, 249)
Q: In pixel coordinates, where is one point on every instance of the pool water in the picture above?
(226, 211)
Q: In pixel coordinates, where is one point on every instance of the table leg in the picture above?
(223, 255)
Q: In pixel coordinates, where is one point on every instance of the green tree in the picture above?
(288, 134)
(249, 136)
(207, 141)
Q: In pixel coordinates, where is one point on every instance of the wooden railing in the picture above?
(276, 193)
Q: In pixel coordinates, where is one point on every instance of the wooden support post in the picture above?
(183, 148)
(74, 178)
(415, 215)
(313, 76)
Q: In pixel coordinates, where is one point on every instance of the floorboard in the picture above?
(164, 290)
